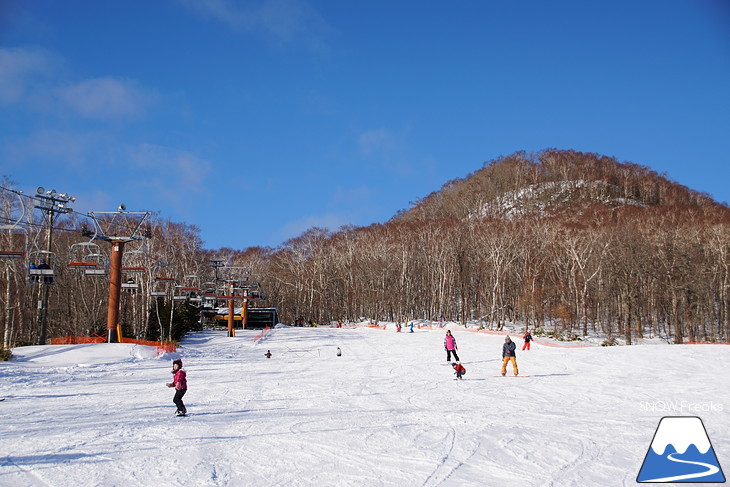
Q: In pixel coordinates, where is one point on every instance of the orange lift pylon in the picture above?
(117, 219)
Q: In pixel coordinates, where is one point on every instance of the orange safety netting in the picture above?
(261, 335)
(72, 340)
(161, 347)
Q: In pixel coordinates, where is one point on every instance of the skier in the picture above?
(268, 354)
(180, 383)
(527, 338)
(459, 370)
(450, 346)
(339, 352)
(509, 355)
(411, 325)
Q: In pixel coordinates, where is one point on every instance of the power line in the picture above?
(35, 199)
(29, 225)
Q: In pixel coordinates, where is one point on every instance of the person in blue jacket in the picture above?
(509, 355)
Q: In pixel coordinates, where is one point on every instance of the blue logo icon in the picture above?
(681, 452)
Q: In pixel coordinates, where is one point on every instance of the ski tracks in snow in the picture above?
(387, 413)
(22, 476)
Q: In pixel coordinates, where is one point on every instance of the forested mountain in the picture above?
(552, 182)
(560, 240)
(564, 241)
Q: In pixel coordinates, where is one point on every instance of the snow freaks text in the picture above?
(680, 406)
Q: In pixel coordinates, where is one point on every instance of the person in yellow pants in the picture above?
(509, 355)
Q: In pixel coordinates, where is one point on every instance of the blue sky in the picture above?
(256, 120)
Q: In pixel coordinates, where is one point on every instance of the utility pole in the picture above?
(50, 203)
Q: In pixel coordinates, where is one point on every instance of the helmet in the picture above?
(178, 362)
(453, 364)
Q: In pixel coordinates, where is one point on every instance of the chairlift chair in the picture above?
(101, 267)
(178, 294)
(132, 261)
(78, 253)
(130, 285)
(89, 257)
(160, 286)
(208, 293)
(189, 291)
(41, 264)
(15, 245)
(258, 295)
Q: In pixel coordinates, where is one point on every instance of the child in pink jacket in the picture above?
(180, 383)
(450, 346)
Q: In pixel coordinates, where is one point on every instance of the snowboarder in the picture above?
(527, 338)
(459, 370)
(450, 346)
(268, 354)
(339, 352)
(509, 355)
(180, 383)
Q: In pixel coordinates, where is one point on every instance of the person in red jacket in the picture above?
(180, 383)
(459, 369)
(527, 338)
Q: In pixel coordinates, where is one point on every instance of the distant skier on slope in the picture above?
(450, 346)
(527, 337)
(180, 383)
(509, 355)
(459, 370)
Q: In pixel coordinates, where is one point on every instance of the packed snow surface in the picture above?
(388, 412)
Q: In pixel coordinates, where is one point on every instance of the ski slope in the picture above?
(388, 412)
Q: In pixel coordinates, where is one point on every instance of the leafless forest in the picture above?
(566, 242)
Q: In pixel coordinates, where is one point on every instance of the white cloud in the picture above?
(281, 20)
(31, 77)
(21, 69)
(104, 98)
(51, 147)
(173, 174)
(378, 140)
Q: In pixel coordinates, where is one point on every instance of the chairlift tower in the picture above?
(237, 289)
(117, 219)
(51, 204)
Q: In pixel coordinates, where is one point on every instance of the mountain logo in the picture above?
(681, 452)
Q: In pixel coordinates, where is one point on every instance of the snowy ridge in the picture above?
(540, 197)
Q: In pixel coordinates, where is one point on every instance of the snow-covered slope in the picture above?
(540, 198)
(388, 412)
